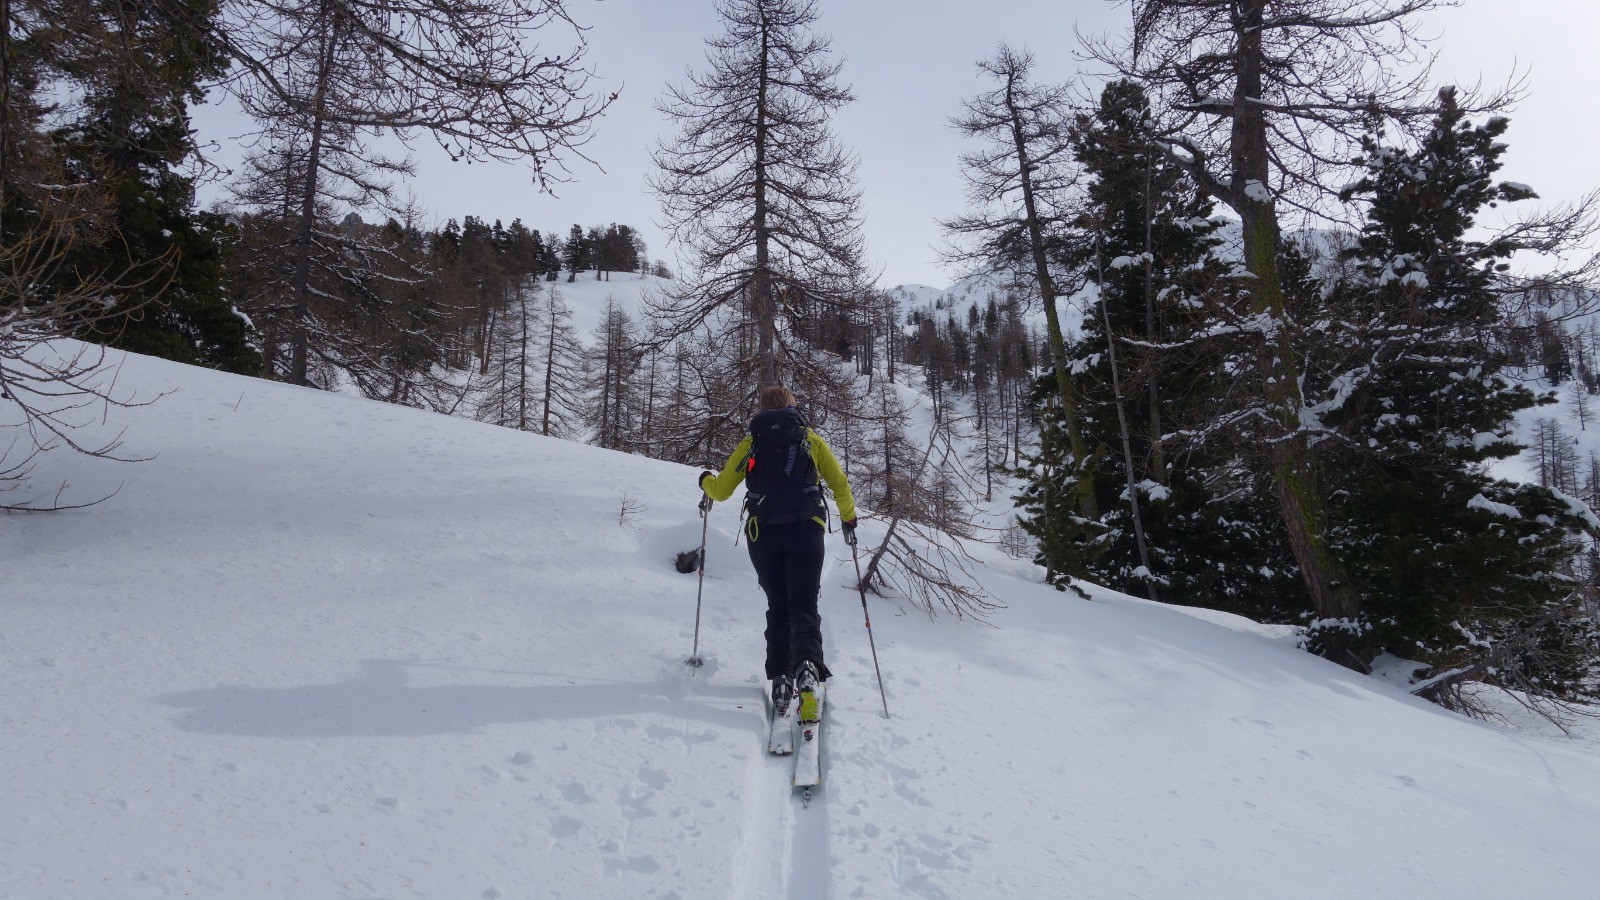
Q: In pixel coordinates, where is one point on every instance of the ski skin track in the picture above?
(766, 834)
(809, 876)
(783, 844)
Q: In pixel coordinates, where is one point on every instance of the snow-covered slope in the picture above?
(976, 291)
(586, 296)
(325, 648)
(968, 291)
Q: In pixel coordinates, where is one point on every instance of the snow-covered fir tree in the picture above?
(1451, 560)
(1180, 519)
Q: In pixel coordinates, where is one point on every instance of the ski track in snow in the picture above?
(810, 868)
(763, 836)
(783, 847)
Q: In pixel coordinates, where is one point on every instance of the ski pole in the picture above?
(694, 661)
(861, 586)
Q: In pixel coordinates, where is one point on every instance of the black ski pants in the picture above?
(788, 561)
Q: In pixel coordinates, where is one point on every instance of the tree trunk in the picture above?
(5, 104)
(1158, 455)
(522, 366)
(1087, 505)
(298, 369)
(1294, 471)
(1122, 426)
(486, 325)
(549, 367)
(762, 299)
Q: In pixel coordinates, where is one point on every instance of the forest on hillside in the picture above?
(1301, 345)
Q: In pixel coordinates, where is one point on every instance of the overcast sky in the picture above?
(911, 63)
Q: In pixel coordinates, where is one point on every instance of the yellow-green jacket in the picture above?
(721, 486)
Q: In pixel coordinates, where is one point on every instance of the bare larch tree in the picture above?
(757, 190)
(1019, 183)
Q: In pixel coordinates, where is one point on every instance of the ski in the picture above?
(780, 740)
(808, 761)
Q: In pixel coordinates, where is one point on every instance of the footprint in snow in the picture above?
(645, 865)
(660, 734)
(635, 806)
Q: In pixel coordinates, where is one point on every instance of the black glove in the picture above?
(849, 526)
(705, 499)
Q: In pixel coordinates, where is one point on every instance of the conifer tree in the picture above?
(1176, 520)
(484, 278)
(512, 388)
(756, 188)
(417, 334)
(1259, 100)
(576, 252)
(1451, 559)
(52, 222)
(131, 136)
(321, 287)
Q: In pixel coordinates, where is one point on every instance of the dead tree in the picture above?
(1019, 184)
(758, 192)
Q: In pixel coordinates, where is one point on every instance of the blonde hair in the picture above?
(776, 397)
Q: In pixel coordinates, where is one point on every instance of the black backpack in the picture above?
(780, 476)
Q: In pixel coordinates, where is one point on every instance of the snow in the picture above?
(323, 647)
(978, 290)
(1503, 510)
(586, 296)
(1154, 490)
(1487, 439)
(1578, 508)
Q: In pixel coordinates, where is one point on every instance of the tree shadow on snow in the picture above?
(380, 702)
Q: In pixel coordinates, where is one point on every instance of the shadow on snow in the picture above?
(381, 703)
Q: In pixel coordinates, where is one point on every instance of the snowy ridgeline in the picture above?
(328, 648)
